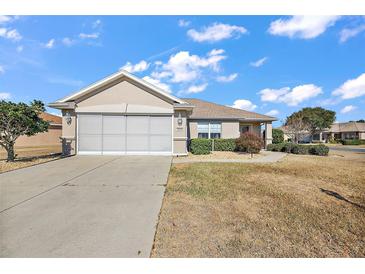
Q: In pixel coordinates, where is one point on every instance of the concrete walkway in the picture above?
(83, 206)
(270, 157)
(344, 148)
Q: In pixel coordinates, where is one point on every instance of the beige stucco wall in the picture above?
(362, 135)
(69, 133)
(49, 138)
(180, 132)
(123, 92)
(230, 129)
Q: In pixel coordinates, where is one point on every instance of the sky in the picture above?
(272, 65)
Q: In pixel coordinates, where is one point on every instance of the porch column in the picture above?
(320, 137)
(268, 133)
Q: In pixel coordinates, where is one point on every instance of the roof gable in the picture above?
(112, 78)
(208, 110)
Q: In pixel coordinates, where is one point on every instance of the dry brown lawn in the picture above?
(303, 206)
(29, 156)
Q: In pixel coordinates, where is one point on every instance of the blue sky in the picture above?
(267, 64)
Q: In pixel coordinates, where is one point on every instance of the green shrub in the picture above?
(200, 146)
(275, 147)
(320, 150)
(224, 144)
(287, 147)
(353, 142)
(300, 149)
(277, 136)
(249, 142)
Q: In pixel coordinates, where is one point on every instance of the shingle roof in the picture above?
(208, 110)
(53, 119)
(348, 127)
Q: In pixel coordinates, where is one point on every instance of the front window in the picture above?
(203, 130)
(215, 130)
(209, 130)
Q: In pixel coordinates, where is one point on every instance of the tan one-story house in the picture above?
(123, 114)
(344, 131)
(52, 137)
(337, 131)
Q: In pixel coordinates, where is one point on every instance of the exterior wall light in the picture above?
(179, 120)
(68, 118)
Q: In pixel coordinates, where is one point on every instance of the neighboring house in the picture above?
(303, 136)
(123, 114)
(343, 131)
(338, 131)
(49, 138)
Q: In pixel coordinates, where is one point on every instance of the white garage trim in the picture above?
(152, 138)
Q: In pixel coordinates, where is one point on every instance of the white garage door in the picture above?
(120, 134)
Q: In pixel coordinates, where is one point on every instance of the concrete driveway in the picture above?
(83, 206)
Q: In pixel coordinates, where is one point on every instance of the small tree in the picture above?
(296, 125)
(249, 142)
(318, 119)
(277, 136)
(18, 119)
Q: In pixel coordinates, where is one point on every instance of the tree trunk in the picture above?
(11, 154)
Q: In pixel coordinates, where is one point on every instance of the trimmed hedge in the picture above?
(354, 142)
(277, 136)
(224, 144)
(320, 150)
(200, 146)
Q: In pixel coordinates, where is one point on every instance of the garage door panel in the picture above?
(138, 143)
(160, 143)
(106, 133)
(160, 125)
(114, 143)
(90, 143)
(90, 124)
(114, 124)
(137, 124)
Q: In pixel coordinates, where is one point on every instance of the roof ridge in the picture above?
(247, 111)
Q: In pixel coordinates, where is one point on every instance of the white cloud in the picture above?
(196, 88)
(291, 97)
(89, 35)
(96, 24)
(68, 41)
(4, 96)
(272, 112)
(259, 62)
(141, 66)
(228, 78)
(10, 34)
(158, 83)
(302, 26)
(2, 70)
(214, 52)
(216, 32)
(346, 33)
(5, 19)
(244, 104)
(184, 23)
(19, 48)
(183, 67)
(50, 44)
(351, 88)
(348, 108)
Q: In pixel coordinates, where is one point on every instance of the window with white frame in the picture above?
(209, 130)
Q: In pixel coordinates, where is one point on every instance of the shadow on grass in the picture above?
(340, 197)
(31, 158)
